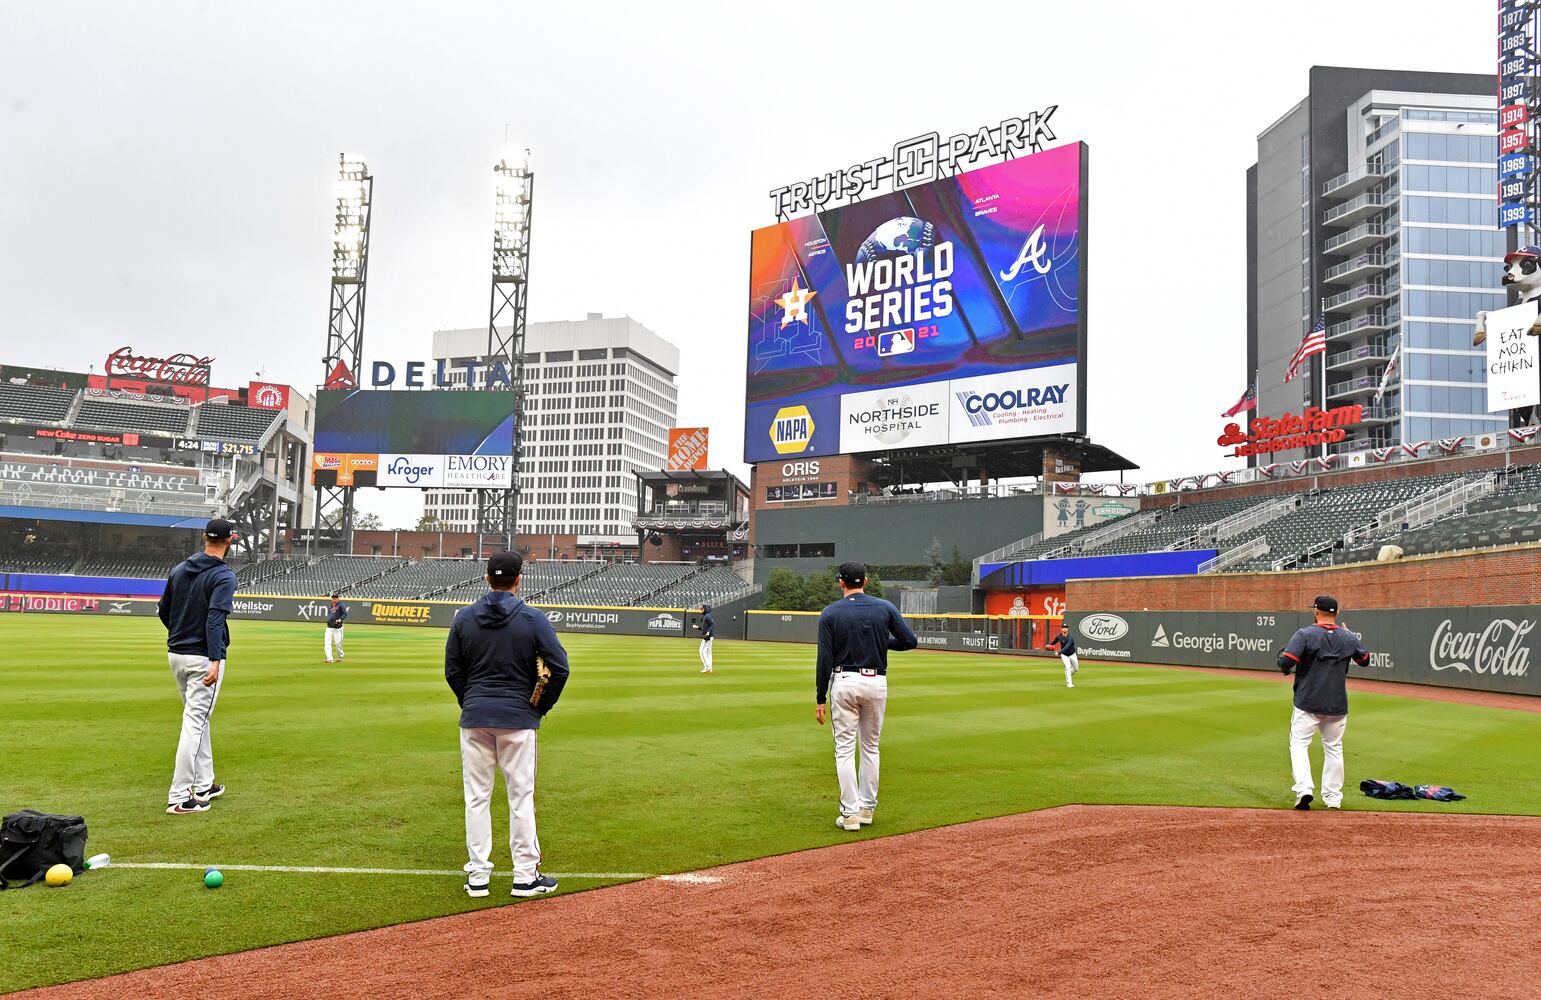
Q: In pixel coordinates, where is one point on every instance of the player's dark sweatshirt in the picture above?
(197, 597)
(1320, 655)
(706, 626)
(856, 632)
(336, 615)
(1065, 642)
(489, 662)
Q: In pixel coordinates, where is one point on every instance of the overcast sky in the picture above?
(166, 168)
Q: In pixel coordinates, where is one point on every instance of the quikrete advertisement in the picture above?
(1270, 434)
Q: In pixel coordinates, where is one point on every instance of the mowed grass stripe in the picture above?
(647, 766)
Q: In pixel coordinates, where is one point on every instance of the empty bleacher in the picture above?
(34, 403)
(621, 584)
(716, 585)
(38, 559)
(145, 565)
(1511, 515)
(421, 579)
(117, 415)
(343, 574)
(539, 578)
(223, 422)
(1177, 524)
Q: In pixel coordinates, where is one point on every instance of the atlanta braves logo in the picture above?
(1033, 252)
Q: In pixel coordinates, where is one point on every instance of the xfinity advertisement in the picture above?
(869, 314)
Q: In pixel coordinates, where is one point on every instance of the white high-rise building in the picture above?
(599, 401)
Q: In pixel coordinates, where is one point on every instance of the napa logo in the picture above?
(791, 431)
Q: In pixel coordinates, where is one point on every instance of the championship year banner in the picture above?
(1513, 355)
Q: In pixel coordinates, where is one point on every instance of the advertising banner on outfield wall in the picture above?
(1480, 649)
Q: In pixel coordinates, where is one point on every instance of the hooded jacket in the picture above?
(198, 595)
(489, 662)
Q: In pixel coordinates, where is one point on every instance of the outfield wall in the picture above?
(960, 633)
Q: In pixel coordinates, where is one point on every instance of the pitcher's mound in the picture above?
(1082, 901)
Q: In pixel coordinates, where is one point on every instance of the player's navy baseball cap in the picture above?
(218, 530)
(335, 595)
(853, 573)
(1326, 604)
(505, 566)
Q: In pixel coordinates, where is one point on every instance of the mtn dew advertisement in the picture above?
(947, 312)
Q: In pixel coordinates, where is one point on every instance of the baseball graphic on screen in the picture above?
(904, 235)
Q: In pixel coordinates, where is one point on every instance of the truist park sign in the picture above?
(178, 369)
(1270, 434)
(916, 161)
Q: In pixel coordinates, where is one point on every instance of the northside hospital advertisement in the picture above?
(945, 313)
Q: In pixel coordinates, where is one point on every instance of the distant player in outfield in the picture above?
(707, 628)
(197, 597)
(507, 669)
(855, 635)
(1319, 655)
(335, 616)
(1065, 643)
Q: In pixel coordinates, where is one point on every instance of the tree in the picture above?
(958, 572)
(820, 590)
(784, 591)
(367, 522)
(429, 522)
(874, 586)
(936, 569)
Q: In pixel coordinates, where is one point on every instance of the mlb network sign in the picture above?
(471, 472)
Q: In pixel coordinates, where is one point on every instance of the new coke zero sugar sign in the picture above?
(180, 369)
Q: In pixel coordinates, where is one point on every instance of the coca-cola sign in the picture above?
(180, 369)
(1497, 649)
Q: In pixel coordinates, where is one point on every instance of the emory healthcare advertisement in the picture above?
(904, 320)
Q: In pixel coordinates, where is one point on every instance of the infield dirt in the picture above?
(1079, 901)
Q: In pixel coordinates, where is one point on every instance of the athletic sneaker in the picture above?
(1303, 801)
(1334, 805)
(1069, 685)
(864, 817)
(705, 670)
(475, 890)
(848, 822)
(542, 883)
(190, 806)
(212, 792)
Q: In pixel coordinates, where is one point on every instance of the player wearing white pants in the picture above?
(855, 636)
(335, 616)
(1065, 643)
(1319, 655)
(507, 669)
(484, 753)
(857, 702)
(194, 770)
(708, 630)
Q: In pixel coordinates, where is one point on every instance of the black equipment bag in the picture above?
(32, 842)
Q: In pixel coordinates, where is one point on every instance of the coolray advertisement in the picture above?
(431, 422)
(966, 277)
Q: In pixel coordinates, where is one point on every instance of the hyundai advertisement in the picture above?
(946, 313)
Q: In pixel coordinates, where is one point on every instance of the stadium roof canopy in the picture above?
(1005, 460)
(101, 517)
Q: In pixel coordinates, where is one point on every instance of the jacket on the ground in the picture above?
(198, 595)
(490, 663)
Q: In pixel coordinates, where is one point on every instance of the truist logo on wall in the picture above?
(1497, 649)
(181, 369)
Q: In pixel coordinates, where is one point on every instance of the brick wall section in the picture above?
(1371, 474)
(1507, 576)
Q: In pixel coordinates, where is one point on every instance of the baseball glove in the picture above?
(542, 675)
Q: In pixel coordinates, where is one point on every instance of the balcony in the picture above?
(1358, 355)
(1360, 267)
(1386, 131)
(1359, 179)
(1373, 291)
(1379, 320)
(1362, 207)
(1380, 413)
(685, 514)
(1358, 238)
(1364, 386)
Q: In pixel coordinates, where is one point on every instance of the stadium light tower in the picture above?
(354, 199)
(497, 511)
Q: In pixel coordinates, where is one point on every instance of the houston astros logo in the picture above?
(794, 304)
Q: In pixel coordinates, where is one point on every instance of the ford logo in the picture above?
(1103, 627)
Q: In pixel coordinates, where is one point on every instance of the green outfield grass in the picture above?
(646, 767)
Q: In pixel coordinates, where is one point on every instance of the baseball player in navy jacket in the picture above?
(1319, 655)
(197, 597)
(507, 669)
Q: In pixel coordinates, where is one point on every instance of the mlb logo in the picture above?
(898, 342)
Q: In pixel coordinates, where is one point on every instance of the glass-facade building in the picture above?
(1373, 206)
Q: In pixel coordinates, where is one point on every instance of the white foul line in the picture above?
(306, 870)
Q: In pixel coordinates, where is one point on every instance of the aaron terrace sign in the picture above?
(1271, 434)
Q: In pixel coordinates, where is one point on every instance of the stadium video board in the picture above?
(456, 439)
(947, 313)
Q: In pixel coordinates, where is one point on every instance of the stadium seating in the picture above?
(1176, 524)
(233, 423)
(1508, 516)
(343, 574)
(145, 566)
(420, 579)
(716, 585)
(540, 577)
(251, 573)
(621, 584)
(117, 415)
(34, 403)
(38, 559)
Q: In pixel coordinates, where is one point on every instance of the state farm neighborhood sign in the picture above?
(1271, 434)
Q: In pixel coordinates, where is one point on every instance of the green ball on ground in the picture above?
(213, 878)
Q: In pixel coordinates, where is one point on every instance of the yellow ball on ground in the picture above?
(59, 875)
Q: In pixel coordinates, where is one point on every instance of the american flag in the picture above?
(1247, 401)
(1315, 342)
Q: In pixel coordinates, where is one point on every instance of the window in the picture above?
(1457, 180)
(1457, 148)
(1455, 242)
(1459, 273)
(1456, 305)
(816, 550)
(1452, 211)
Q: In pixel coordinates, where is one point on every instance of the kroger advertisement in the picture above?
(946, 313)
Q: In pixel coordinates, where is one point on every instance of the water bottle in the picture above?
(98, 861)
